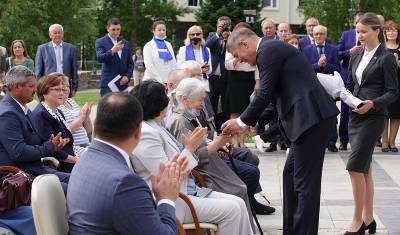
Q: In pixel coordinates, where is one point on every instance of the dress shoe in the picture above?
(385, 149)
(283, 146)
(271, 148)
(332, 148)
(343, 147)
(360, 231)
(394, 149)
(261, 209)
(371, 227)
(259, 143)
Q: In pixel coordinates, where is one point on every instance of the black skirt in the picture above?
(364, 131)
(239, 88)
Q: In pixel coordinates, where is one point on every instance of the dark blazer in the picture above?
(45, 62)
(46, 125)
(20, 145)
(305, 41)
(112, 64)
(217, 53)
(118, 202)
(332, 57)
(346, 42)
(288, 78)
(379, 80)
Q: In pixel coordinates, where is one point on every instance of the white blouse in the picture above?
(157, 68)
(240, 66)
(366, 58)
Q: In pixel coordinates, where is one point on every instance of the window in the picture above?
(269, 4)
(195, 3)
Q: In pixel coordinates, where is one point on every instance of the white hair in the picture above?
(55, 26)
(190, 64)
(188, 88)
(268, 21)
(325, 29)
(176, 75)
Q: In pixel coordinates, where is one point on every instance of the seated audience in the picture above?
(105, 195)
(48, 119)
(19, 56)
(17, 221)
(292, 39)
(157, 144)
(78, 120)
(20, 143)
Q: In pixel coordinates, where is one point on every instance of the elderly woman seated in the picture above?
(48, 119)
(157, 144)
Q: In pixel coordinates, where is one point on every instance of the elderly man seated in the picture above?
(20, 143)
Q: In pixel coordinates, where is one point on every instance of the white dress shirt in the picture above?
(157, 68)
(58, 50)
(366, 58)
(23, 107)
(115, 43)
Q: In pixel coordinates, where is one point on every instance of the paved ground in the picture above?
(336, 199)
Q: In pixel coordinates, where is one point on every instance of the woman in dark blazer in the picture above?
(372, 78)
(48, 119)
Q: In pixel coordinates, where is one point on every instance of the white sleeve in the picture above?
(209, 62)
(181, 56)
(151, 70)
(229, 61)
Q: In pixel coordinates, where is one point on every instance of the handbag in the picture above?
(15, 188)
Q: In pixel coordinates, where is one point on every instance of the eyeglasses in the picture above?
(391, 30)
(195, 34)
(59, 90)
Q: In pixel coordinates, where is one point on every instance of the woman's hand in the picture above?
(192, 140)
(71, 159)
(218, 142)
(368, 104)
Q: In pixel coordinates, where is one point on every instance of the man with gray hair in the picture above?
(57, 56)
(306, 111)
(268, 28)
(20, 144)
(309, 39)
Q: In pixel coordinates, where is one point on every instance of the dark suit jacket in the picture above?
(379, 80)
(118, 202)
(332, 57)
(45, 62)
(305, 41)
(112, 64)
(46, 125)
(287, 77)
(346, 42)
(217, 54)
(20, 145)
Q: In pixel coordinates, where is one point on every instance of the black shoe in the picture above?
(385, 150)
(261, 209)
(343, 147)
(271, 148)
(332, 148)
(371, 227)
(394, 149)
(283, 146)
(360, 231)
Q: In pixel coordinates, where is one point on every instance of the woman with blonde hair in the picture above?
(19, 56)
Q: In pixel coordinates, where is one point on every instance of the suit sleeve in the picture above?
(134, 210)
(269, 62)
(14, 142)
(74, 72)
(350, 83)
(211, 41)
(390, 71)
(39, 64)
(267, 115)
(102, 54)
(343, 53)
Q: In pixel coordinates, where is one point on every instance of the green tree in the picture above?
(211, 10)
(30, 20)
(137, 17)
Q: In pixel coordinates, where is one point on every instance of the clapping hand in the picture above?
(167, 181)
(192, 140)
(58, 142)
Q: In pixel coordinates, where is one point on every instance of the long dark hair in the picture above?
(371, 20)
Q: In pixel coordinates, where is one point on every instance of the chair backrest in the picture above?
(48, 205)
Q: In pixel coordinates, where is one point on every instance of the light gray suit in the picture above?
(157, 144)
(45, 62)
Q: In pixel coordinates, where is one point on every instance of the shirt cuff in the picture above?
(166, 201)
(240, 123)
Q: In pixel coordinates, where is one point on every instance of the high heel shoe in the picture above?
(371, 227)
(360, 231)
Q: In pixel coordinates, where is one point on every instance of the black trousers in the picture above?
(302, 180)
(217, 90)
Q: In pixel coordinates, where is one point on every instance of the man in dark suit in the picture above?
(305, 111)
(20, 144)
(57, 56)
(347, 46)
(309, 39)
(116, 57)
(119, 201)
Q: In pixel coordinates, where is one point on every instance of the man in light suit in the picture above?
(57, 56)
(309, 39)
(115, 56)
(120, 202)
(20, 143)
(305, 111)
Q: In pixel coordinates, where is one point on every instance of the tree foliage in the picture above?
(137, 17)
(29, 20)
(337, 15)
(211, 10)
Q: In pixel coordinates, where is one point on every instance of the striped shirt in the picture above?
(80, 134)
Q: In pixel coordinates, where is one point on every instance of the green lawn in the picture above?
(82, 97)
